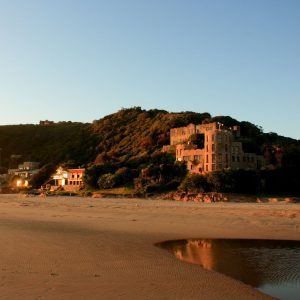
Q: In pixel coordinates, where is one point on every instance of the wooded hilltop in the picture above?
(124, 149)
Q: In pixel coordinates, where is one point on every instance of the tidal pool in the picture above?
(271, 266)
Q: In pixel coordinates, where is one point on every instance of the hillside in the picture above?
(133, 134)
(124, 148)
(126, 136)
(47, 143)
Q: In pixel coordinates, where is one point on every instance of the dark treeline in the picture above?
(124, 149)
(279, 181)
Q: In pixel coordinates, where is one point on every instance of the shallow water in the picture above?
(271, 266)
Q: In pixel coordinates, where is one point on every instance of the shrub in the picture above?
(236, 181)
(106, 181)
(123, 176)
(92, 174)
(195, 183)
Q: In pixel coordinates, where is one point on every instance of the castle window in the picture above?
(207, 158)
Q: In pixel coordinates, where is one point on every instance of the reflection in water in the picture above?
(271, 266)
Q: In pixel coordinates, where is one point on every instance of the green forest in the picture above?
(124, 149)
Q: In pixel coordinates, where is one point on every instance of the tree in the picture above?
(197, 139)
(106, 181)
(195, 183)
(42, 176)
(92, 174)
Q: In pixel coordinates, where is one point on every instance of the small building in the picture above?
(46, 122)
(67, 179)
(21, 176)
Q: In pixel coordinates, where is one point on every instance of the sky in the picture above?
(80, 60)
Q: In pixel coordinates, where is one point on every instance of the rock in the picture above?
(97, 196)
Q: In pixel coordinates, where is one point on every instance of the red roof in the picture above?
(79, 171)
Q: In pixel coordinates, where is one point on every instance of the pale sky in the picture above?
(82, 59)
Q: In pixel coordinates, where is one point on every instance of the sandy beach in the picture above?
(85, 248)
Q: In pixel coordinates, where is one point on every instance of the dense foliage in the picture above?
(47, 143)
(278, 181)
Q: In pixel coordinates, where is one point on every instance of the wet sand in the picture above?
(84, 248)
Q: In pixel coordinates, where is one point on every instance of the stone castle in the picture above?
(220, 149)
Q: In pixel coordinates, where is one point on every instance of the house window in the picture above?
(206, 168)
(213, 158)
(258, 164)
(207, 158)
(233, 158)
(238, 159)
(220, 167)
(213, 147)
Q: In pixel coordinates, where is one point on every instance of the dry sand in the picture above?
(84, 248)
